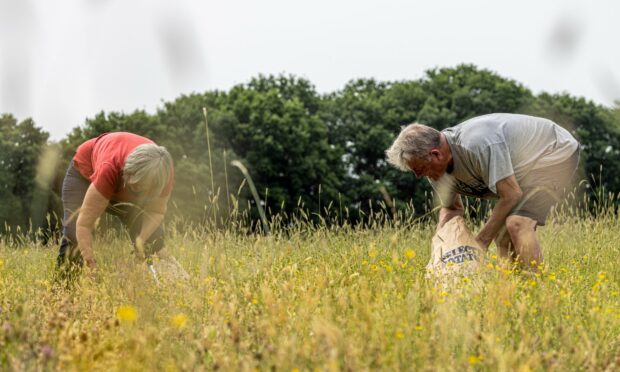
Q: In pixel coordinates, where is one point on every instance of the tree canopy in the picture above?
(304, 150)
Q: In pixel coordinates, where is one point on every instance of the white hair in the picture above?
(414, 141)
(150, 165)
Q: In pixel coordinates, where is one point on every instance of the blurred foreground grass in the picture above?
(317, 299)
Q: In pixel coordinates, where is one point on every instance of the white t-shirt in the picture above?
(489, 148)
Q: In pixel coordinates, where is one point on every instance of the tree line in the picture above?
(310, 153)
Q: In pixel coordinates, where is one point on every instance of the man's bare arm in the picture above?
(509, 195)
(93, 206)
(153, 217)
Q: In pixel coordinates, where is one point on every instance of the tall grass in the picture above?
(318, 296)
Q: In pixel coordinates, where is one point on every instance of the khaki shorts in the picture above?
(553, 184)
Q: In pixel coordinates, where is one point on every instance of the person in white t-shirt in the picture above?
(526, 163)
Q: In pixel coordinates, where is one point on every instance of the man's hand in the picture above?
(448, 213)
(151, 219)
(91, 263)
(483, 242)
(140, 252)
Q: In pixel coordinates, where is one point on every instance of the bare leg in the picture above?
(505, 247)
(522, 231)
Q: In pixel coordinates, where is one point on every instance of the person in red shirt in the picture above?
(124, 174)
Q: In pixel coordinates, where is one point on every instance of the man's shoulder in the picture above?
(481, 131)
(473, 136)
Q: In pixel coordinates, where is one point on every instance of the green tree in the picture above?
(598, 130)
(203, 186)
(457, 94)
(21, 146)
(363, 119)
(273, 125)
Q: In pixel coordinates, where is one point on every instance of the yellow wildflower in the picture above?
(473, 360)
(399, 334)
(179, 320)
(126, 313)
(409, 253)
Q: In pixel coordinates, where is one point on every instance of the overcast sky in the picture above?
(64, 61)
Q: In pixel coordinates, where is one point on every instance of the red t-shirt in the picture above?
(102, 160)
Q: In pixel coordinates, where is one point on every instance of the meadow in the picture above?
(316, 298)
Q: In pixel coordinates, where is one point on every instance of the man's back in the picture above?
(493, 146)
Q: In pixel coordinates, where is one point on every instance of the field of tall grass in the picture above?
(311, 297)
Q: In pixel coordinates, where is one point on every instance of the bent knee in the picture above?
(502, 239)
(516, 225)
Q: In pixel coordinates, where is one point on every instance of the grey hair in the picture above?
(414, 141)
(148, 164)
